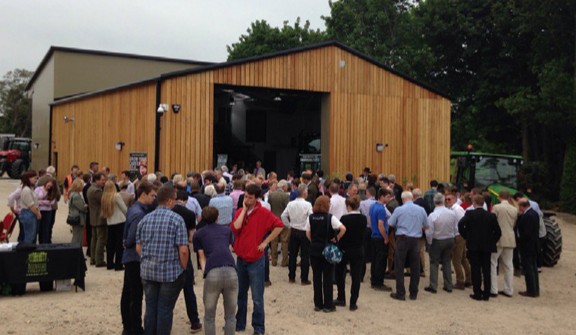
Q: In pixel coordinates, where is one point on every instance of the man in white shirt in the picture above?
(365, 210)
(125, 177)
(295, 216)
(443, 227)
(459, 260)
(337, 202)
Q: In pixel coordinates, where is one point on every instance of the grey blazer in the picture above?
(77, 207)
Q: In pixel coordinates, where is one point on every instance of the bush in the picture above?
(568, 183)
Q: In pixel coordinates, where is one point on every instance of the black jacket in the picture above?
(480, 229)
(528, 228)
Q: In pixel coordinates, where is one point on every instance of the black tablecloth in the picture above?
(48, 262)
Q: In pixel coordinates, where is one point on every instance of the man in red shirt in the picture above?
(250, 226)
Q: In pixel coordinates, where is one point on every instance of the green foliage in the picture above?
(508, 64)
(263, 39)
(568, 186)
(383, 29)
(15, 106)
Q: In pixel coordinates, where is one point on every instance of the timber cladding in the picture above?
(367, 105)
(99, 122)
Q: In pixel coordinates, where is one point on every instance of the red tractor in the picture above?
(15, 156)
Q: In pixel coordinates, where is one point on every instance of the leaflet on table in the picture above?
(8, 246)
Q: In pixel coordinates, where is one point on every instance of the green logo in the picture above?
(37, 264)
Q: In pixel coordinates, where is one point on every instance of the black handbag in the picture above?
(73, 220)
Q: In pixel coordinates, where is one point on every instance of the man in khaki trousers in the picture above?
(506, 214)
(278, 199)
(459, 260)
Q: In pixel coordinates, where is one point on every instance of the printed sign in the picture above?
(137, 159)
(37, 264)
(222, 159)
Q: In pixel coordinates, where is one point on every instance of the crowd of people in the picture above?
(144, 225)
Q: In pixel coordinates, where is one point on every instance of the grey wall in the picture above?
(42, 96)
(69, 73)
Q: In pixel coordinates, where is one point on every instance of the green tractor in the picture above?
(495, 172)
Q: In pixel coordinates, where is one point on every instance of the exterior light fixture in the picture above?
(162, 108)
(380, 147)
(68, 119)
(119, 145)
(277, 98)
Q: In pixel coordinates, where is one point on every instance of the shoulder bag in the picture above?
(331, 252)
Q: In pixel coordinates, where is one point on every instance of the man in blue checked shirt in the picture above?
(162, 243)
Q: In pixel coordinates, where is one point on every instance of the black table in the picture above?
(45, 263)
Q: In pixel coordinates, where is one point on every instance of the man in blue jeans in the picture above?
(162, 243)
(189, 295)
(250, 225)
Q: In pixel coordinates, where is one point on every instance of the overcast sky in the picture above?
(187, 29)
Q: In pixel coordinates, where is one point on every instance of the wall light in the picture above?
(36, 145)
(119, 145)
(162, 108)
(277, 98)
(380, 147)
(68, 119)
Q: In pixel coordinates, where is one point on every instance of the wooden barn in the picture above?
(323, 105)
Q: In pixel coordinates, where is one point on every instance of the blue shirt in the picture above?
(225, 207)
(215, 241)
(409, 219)
(378, 213)
(193, 205)
(135, 213)
(365, 206)
(161, 233)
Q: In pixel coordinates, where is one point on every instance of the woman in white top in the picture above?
(114, 210)
(30, 213)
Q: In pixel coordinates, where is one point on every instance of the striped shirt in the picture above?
(161, 233)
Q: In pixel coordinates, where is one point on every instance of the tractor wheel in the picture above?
(552, 247)
(17, 169)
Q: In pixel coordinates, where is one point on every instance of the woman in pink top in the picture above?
(236, 193)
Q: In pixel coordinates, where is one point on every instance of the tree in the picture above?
(510, 65)
(15, 105)
(382, 29)
(263, 39)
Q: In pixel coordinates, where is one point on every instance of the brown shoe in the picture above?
(468, 284)
(306, 282)
(459, 286)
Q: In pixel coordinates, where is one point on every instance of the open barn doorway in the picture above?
(282, 128)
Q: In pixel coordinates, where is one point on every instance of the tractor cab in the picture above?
(493, 172)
